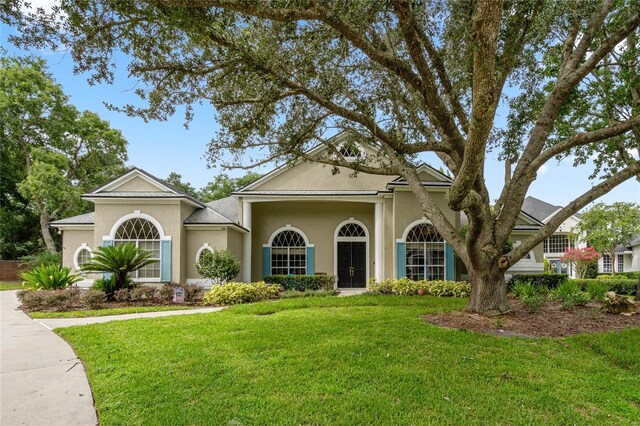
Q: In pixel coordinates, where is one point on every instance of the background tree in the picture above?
(581, 259)
(54, 152)
(222, 186)
(403, 77)
(175, 179)
(608, 226)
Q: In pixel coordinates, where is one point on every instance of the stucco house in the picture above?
(627, 257)
(300, 218)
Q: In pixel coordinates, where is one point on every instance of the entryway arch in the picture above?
(351, 254)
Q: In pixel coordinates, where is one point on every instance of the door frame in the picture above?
(364, 239)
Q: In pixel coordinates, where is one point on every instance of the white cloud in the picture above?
(543, 169)
(46, 5)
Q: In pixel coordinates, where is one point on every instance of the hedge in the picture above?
(619, 285)
(407, 287)
(540, 280)
(302, 282)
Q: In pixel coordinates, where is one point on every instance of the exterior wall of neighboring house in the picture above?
(627, 261)
(635, 258)
(554, 257)
(534, 263)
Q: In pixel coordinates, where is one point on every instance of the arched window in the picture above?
(205, 248)
(425, 253)
(145, 236)
(350, 151)
(81, 256)
(352, 230)
(288, 253)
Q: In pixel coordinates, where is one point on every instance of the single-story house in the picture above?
(627, 257)
(300, 218)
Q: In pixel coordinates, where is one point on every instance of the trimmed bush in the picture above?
(143, 292)
(53, 300)
(548, 281)
(619, 275)
(302, 282)
(49, 277)
(235, 293)
(94, 298)
(407, 287)
(618, 285)
(220, 266)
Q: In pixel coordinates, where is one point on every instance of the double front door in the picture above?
(352, 264)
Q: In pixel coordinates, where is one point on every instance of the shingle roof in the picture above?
(635, 241)
(228, 207)
(136, 194)
(538, 208)
(207, 216)
(318, 193)
(83, 219)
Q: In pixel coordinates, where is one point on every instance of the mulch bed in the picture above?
(551, 321)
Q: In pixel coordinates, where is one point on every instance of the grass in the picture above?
(107, 311)
(356, 360)
(14, 285)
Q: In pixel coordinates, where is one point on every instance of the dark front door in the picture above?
(352, 264)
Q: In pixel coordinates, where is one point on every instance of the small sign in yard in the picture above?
(178, 295)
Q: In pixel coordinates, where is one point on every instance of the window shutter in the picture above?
(450, 263)
(401, 259)
(107, 243)
(311, 260)
(165, 261)
(266, 261)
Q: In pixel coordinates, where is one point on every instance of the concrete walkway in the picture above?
(42, 381)
(345, 292)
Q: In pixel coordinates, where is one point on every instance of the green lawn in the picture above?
(107, 311)
(355, 360)
(12, 286)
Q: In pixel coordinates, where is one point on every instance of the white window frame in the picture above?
(405, 235)
(336, 239)
(80, 249)
(270, 244)
(204, 247)
(619, 263)
(606, 263)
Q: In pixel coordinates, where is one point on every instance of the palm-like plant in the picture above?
(118, 260)
(49, 277)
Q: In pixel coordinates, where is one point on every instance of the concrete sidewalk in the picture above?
(68, 322)
(42, 382)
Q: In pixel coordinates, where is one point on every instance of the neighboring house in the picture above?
(627, 258)
(297, 219)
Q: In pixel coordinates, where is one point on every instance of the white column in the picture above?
(379, 231)
(246, 242)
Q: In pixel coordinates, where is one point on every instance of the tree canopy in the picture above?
(607, 226)
(403, 77)
(223, 185)
(51, 152)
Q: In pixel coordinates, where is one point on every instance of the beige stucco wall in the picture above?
(314, 176)
(169, 213)
(318, 220)
(195, 239)
(407, 210)
(389, 241)
(138, 184)
(234, 243)
(72, 239)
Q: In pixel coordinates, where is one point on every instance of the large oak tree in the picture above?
(404, 77)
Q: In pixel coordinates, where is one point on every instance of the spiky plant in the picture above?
(49, 277)
(120, 260)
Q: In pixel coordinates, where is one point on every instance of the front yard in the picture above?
(356, 360)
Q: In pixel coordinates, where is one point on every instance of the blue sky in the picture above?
(163, 147)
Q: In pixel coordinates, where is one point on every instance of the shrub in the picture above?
(143, 292)
(220, 266)
(531, 297)
(234, 293)
(607, 277)
(618, 285)
(407, 287)
(597, 289)
(570, 294)
(30, 300)
(302, 282)
(548, 281)
(56, 300)
(45, 257)
(119, 261)
(629, 275)
(295, 294)
(94, 298)
(592, 270)
(121, 295)
(192, 292)
(581, 258)
(49, 277)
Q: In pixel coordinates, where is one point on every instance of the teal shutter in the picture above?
(107, 243)
(165, 261)
(450, 263)
(311, 260)
(401, 259)
(266, 261)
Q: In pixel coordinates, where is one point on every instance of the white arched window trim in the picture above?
(336, 238)
(425, 221)
(137, 214)
(82, 247)
(358, 146)
(288, 228)
(204, 247)
(412, 225)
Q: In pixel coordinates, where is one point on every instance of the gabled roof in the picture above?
(538, 209)
(218, 212)
(165, 190)
(83, 219)
(438, 176)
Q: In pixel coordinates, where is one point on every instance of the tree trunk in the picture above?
(46, 233)
(488, 291)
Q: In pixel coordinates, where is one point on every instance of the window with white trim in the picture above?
(144, 235)
(288, 254)
(205, 248)
(606, 263)
(557, 243)
(350, 151)
(83, 255)
(425, 256)
(620, 263)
